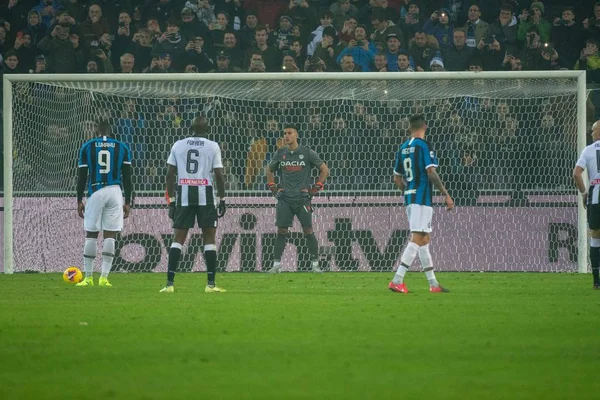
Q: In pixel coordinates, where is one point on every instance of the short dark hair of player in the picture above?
(200, 126)
(104, 128)
(417, 122)
(290, 126)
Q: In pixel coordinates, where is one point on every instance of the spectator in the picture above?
(35, 27)
(394, 45)
(270, 55)
(403, 62)
(411, 22)
(191, 27)
(195, 55)
(268, 10)
(92, 67)
(492, 53)
(440, 27)
(62, 50)
(94, 27)
(341, 10)
(205, 12)
(10, 65)
(167, 59)
(156, 66)
(531, 55)
(16, 12)
(235, 53)
(380, 62)
(303, 15)
(47, 9)
(347, 63)
(590, 61)
(123, 37)
(362, 51)
(592, 25)
(347, 33)
(297, 50)
(316, 35)
(127, 61)
(246, 34)
(534, 17)
(171, 42)
(40, 65)
(105, 63)
(568, 37)
(475, 64)
(504, 30)
(282, 37)
(436, 65)
(218, 29)
(235, 11)
(422, 48)
(512, 63)
(329, 48)
(289, 63)
(383, 28)
(457, 57)
(475, 27)
(141, 49)
(25, 50)
(154, 28)
(257, 63)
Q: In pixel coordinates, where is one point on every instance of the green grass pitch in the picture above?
(301, 336)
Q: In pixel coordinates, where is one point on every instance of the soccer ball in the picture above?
(72, 275)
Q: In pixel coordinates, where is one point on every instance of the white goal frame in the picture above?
(317, 76)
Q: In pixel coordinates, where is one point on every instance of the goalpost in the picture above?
(507, 143)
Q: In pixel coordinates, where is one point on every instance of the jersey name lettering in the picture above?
(105, 144)
(195, 142)
(193, 182)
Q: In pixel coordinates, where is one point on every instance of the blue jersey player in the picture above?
(106, 161)
(415, 174)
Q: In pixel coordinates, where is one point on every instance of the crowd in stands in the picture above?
(199, 36)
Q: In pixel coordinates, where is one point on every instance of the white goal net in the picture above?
(506, 146)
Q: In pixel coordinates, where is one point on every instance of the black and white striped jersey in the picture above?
(195, 158)
(590, 161)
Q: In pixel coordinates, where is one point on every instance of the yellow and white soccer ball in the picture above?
(72, 275)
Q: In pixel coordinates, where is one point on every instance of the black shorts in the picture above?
(593, 216)
(185, 217)
(285, 212)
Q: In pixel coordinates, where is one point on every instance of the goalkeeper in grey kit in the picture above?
(294, 192)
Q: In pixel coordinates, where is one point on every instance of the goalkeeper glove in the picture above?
(316, 188)
(221, 208)
(277, 192)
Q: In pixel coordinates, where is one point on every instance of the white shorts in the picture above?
(419, 217)
(104, 210)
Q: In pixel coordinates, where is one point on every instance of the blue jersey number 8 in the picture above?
(408, 172)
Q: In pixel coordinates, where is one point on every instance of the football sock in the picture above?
(399, 277)
(280, 243)
(108, 254)
(174, 253)
(427, 265)
(408, 256)
(89, 254)
(313, 246)
(595, 259)
(210, 257)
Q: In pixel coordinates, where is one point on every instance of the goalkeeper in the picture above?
(294, 192)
